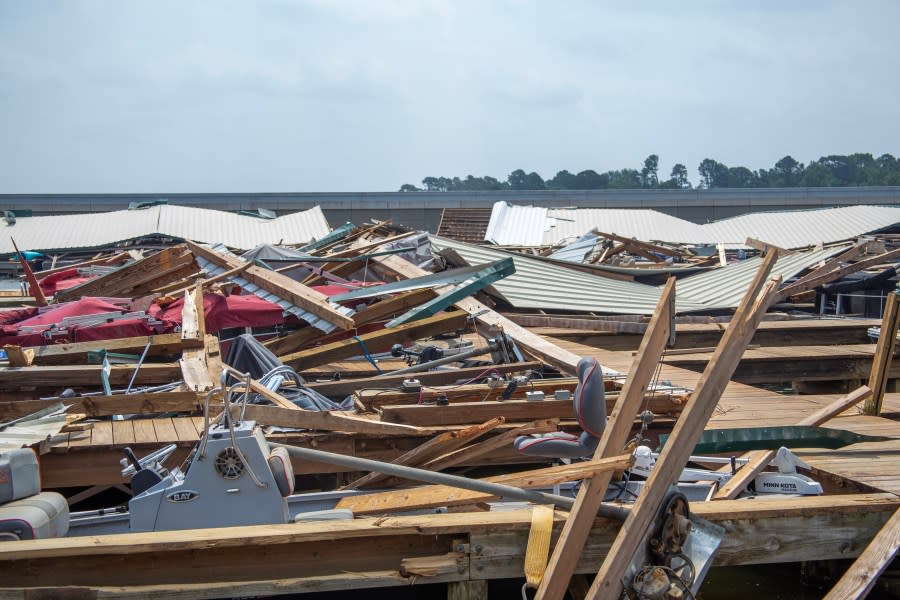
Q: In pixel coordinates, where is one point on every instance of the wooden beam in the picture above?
(814, 282)
(107, 260)
(366, 552)
(515, 411)
(376, 341)
(84, 376)
(345, 387)
(688, 428)
(834, 263)
(436, 446)
(281, 285)
(590, 495)
(766, 247)
(69, 353)
(116, 404)
(18, 356)
(444, 495)
(319, 420)
(860, 578)
(884, 354)
(760, 459)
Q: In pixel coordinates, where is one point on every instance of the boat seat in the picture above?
(26, 513)
(589, 404)
(282, 470)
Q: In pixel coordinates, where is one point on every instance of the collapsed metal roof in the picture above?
(541, 285)
(537, 226)
(95, 230)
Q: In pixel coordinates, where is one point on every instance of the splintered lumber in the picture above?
(829, 276)
(193, 324)
(436, 446)
(282, 286)
(760, 459)
(108, 260)
(884, 354)
(485, 316)
(444, 495)
(18, 356)
(137, 278)
(345, 387)
(194, 369)
(860, 578)
(166, 343)
(564, 558)
(34, 288)
(830, 265)
(376, 341)
(471, 453)
(687, 430)
(366, 552)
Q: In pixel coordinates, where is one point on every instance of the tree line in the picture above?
(860, 169)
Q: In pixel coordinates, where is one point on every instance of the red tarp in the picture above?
(63, 280)
(221, 313)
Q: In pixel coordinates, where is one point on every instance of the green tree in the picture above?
(624, 179)
(563, 180)
(741, 177)
(649, 172)
(591, 180)
(520, 180)
(786, 173)
(408, 187)
(713, 174)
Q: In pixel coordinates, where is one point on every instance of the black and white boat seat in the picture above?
(589, 403)
(282, 470)
(26, 513)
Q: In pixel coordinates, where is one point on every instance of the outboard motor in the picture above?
(590, 411)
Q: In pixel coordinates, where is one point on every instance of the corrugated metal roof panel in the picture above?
(801, 228)
(521, 225)
(184, 222)
(541, 285)
(724, 287)
(517, 225)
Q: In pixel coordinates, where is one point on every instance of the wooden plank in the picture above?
(166, 343)
(443, 495)
(760, 459)
(281, 285)
(123, 433)
(165, 430)
(376, 341)
(565, 554)
(19, 357)
(688, 428)
(80, 376)
(327, 420)
(884, 354)
(462, 413)
(195, 372)
(102, 434)
(860, 578)
(436, 446)
(184, 428)
(344, 387)
(144, 432)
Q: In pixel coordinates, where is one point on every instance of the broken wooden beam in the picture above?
(860, 578)
(884, 354)
(77, 352)
(564, 558)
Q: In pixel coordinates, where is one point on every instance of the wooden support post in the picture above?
(766, 247)
(590, 496)
(860, 578)
(476, 589)
(884, 354)
(761, 458)
(689, 427)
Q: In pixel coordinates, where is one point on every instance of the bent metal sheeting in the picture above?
(62, 232)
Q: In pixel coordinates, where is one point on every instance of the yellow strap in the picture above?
(538, 549)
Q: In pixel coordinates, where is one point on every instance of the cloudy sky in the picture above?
(365, 95)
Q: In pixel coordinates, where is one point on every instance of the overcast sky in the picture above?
(365, 95)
